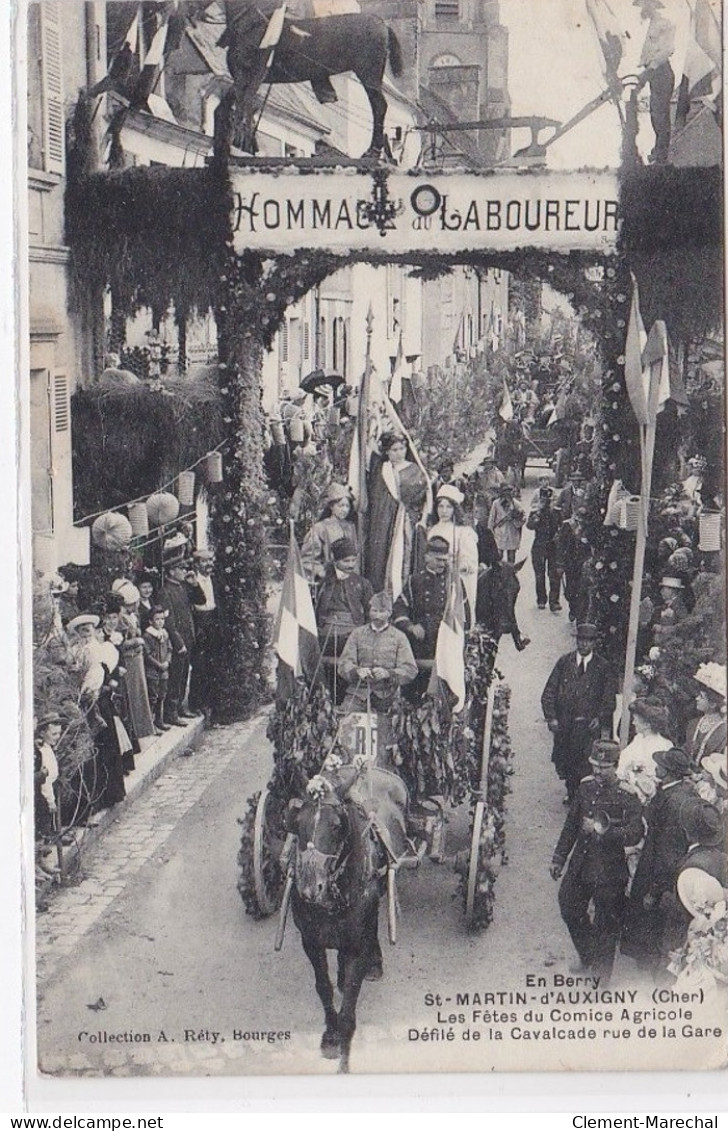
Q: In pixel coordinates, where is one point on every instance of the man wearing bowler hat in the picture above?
(603, 820)
(177, 596)
(578, 703)
(653, 884)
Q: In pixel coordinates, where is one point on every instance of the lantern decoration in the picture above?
(295, 427)
(162, 508)
(277, 431)
(111, 531)
(186, 488)
(139, 519)
(709, 528)
(629, 512)
(213, 467)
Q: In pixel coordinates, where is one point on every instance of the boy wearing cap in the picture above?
(342, 604)
(603, 820)
(45, 774)
(578, 703)
(419, 609)
(157, 660)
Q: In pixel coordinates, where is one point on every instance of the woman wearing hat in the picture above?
(132, 656)
(706, 734)
(637, 769)
(461, 538)
(506, 520)
(398, 501)
(335, 523)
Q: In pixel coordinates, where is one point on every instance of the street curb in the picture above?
(169, 747)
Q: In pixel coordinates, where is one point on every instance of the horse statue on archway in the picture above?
(265, 46)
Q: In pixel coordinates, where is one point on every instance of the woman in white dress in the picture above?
(636, 768)
(461, 538)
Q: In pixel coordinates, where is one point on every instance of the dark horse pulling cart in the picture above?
(333, 828)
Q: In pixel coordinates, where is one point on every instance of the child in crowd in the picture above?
(157, 656)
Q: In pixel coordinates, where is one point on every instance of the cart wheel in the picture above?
(267, 844)
(473, 863)
(260, 881)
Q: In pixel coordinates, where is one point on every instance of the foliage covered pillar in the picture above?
(237, 504)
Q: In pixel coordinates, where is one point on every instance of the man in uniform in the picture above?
(419, 609)
(376, 661)
(603, 820)
(578, 703)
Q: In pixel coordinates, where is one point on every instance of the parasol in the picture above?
(317, 378)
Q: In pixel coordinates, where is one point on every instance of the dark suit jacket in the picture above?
(665, 843)
(574, 701)
(178, 597)
(600, 859)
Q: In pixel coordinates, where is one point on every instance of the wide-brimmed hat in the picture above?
(712, 676)
(587, 631)
(126, 590)
(672, 583)
(674, 760)
(652, 710)
(82, 619)
(450, 492)
(438, 545)
(698, 891)
(604, 752)
(343, 548)
(702, 823)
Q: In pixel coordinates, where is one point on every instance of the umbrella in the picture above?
(317, 378)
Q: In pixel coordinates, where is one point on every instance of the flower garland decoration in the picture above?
(704, 955)
(491, 845)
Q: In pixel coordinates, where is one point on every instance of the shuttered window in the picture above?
(284, 341)
(447, 9)
(52, 86)
(61, 404)
(306, 341)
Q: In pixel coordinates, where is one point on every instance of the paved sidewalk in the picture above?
(132, 832)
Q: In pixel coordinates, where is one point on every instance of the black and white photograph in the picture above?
(373, 409)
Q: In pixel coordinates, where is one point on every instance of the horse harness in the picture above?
(318, 875)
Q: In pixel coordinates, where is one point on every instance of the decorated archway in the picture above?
(248, 240)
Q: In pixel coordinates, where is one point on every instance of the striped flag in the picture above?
(449, 665)
(634, 375)
(701, 78)
(395, 385)
(295, 637)
(506, 406)
(121, 65)
(149, 75)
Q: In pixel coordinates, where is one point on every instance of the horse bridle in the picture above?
(321, 872)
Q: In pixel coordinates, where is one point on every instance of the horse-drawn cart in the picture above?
(444, 761)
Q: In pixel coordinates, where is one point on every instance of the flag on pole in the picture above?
(658, 366)
(395, 385)
(634, 375)
(274, 29)
(295, 636)
(150, 71)
(506, 406)
(449, 663)
(120, 67)
(701, 78)
(611, 37)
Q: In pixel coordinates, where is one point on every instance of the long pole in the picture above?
(363, 430)
(647, 452)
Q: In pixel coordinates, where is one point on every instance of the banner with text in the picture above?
(400, 213)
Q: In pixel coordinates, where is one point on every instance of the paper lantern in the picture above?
(162, 508)
(295, 428)
(111, 531)
(629, 512)
(186, 488)
(709, 528)
(139, 519)
(213, 467)
(277, 431)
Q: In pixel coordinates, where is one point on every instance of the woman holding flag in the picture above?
(397, 492)
(461, 538)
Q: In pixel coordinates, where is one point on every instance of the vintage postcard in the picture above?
(375, 380)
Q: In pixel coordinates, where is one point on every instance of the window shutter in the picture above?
(52, 92)
(60, 407)
(306, 340)
(284, 341)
